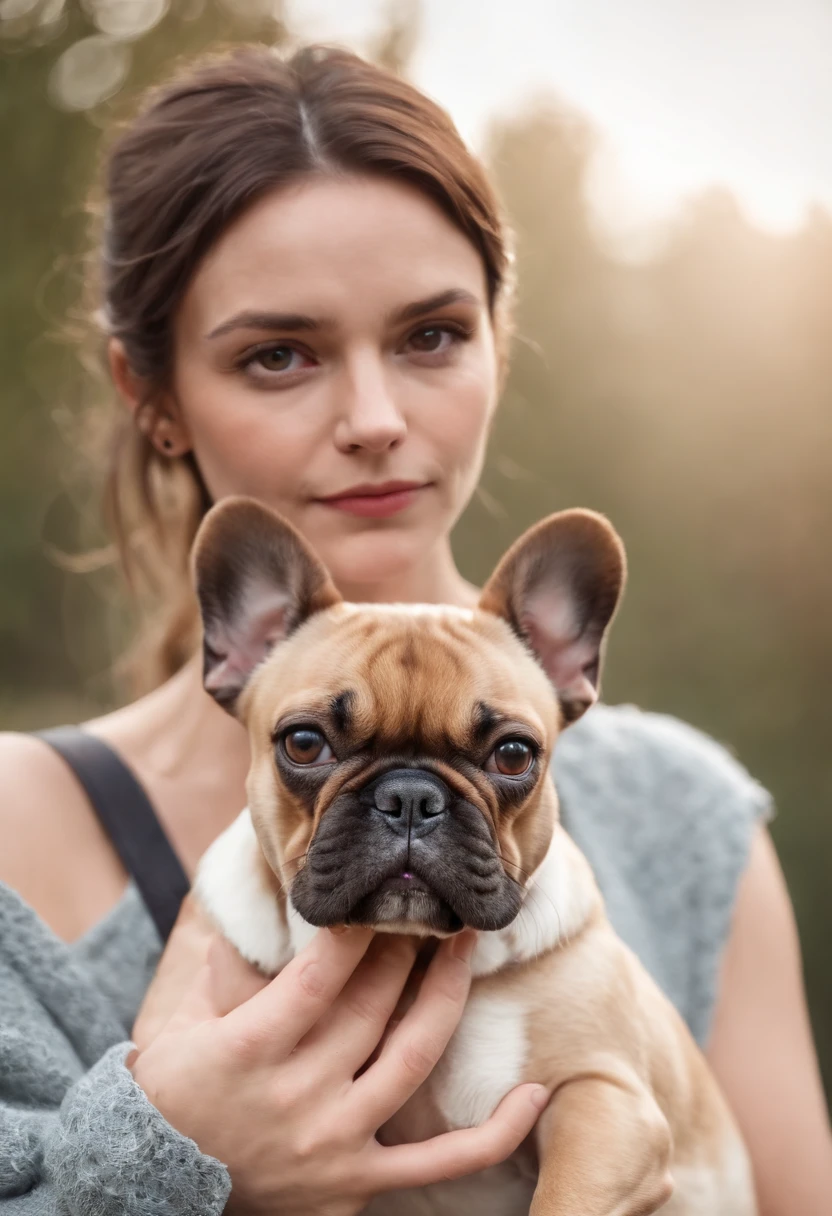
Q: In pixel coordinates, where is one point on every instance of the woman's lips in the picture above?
(375, 505)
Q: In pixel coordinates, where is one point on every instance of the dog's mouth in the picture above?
(433, 871)
(407, 882)
(395, 899)
(406, 899)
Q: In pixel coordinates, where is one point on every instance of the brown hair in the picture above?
(203, 148)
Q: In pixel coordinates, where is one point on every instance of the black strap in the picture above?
(127, 815)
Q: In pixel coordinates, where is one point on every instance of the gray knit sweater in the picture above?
(663, 813)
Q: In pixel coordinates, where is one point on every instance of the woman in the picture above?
(306, 289)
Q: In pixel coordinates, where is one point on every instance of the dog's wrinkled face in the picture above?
(397, 755)
(400, 753)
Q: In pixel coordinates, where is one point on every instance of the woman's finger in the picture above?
(276, 1018)
(352, 1028)
(418, 1041)
(458, 1153)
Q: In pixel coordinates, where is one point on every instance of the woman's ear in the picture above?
(162, 423)
(129, 387)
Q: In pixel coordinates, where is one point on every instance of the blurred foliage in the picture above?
(687, 397)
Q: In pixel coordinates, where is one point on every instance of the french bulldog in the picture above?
(400, 778)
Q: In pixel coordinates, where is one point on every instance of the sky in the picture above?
(685, 93)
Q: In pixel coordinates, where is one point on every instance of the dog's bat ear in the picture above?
(558, 587)
(256, 579)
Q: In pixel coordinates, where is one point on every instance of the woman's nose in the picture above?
(368, 415)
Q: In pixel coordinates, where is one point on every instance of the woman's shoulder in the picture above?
(41, 806)
(637, 755)
(55, 853)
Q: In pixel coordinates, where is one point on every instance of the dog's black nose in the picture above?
(411, 800)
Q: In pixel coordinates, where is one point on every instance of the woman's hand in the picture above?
(262, 1075)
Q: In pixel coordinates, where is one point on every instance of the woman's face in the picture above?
(338, 335)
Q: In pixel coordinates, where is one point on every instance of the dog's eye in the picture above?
(307, 746)
(513, 758)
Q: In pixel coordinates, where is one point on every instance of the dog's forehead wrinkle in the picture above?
(340, 709)
(485, 718)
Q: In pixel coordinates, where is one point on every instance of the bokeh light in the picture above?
(127, 18)
(88, 72)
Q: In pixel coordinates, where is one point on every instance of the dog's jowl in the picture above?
(401, 779)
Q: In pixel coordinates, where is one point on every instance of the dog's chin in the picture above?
(394, 908)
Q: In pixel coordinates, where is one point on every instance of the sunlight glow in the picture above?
(686, 94)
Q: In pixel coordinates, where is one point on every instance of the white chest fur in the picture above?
(483, 1061)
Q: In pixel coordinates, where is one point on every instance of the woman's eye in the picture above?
(271, 364)
(513, 758)
(276, 358)
(429, 339)
(435, 339)
(307, 746)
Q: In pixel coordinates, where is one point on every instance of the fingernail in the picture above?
(539, 1097)
(338, 929)
(463, 944)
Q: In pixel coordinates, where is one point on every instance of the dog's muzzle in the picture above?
(407, 850)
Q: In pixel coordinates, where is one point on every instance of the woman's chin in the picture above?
(373, 556)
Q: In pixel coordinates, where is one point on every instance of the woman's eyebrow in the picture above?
(454, 295)
(289, 322)
(293, 322)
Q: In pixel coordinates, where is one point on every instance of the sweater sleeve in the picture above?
(78, 1136)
